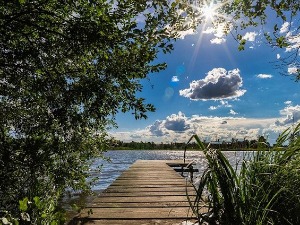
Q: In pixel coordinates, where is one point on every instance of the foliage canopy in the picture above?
(66, 69)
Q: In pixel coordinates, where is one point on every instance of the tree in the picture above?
(66, 69)
(279, 21)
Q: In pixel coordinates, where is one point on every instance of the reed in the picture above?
(263, 189)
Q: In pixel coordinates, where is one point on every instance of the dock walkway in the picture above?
(149, 192)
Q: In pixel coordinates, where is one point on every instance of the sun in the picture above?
(209, 12)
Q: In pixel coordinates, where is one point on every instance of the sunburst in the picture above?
(209, 11)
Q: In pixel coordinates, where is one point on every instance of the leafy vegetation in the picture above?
(264, 189)
(66, 69)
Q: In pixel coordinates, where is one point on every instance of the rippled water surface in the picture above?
(120, 160)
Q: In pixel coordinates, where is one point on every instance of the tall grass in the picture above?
(264, 190)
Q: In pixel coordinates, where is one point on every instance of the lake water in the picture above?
(120, 160)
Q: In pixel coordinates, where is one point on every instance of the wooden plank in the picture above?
(143, 194)
(116, 189)
(169, 198)
(149, 192)
(139, 213)
(137, 204)
(139, 222)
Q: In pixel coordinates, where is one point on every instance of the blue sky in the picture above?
(212, 89)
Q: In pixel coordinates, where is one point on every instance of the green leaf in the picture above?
(23, 204)
(241, 47)
(37, 202)
(281, 42)
(239, 37)
(54, 223)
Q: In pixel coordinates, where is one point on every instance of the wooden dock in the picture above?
(150, 192)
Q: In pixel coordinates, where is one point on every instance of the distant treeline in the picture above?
(233, 144)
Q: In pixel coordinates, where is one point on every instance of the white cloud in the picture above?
(264, 76)
(294, 42)
(292, 70)
(219, 84)
(176, 122)
(222, 29)
(250, 36)
(219, 32)
(225, 104)
(182, 34)
(278, 56)
(178, 127)
(222, 104)
(175, 79)
(155, 129)
(291, 113)
(217, 41)
(288, 102)
(232, 112)
(285, 27)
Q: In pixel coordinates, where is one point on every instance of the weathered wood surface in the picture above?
(149, 192)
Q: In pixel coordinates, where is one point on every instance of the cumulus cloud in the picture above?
(176, 122)
(155, 129)
(264, 76)
(219, 84)
(291, 113)
(250, 36)
(178, 127)
(209, 127)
